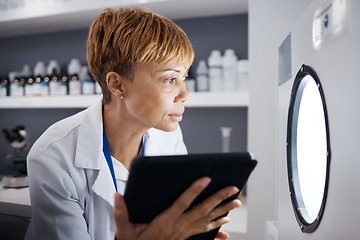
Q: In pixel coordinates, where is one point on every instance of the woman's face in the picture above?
(155, 99)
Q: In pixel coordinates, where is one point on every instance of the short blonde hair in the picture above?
(121, 39)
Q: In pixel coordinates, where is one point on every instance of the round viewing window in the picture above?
(308, 149)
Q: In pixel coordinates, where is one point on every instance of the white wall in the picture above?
(269, 23)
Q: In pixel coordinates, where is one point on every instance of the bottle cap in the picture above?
(230, 58)
(39, 69)
(201, 68)
(53, 64)
(74, 66)
(215, 59)
(26, 72)
(225, 131)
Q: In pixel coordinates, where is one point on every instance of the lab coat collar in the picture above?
(150, 149)
(155, 143)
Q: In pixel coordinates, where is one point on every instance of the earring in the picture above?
(122, 97)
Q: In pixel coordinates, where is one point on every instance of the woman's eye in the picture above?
(171, 80)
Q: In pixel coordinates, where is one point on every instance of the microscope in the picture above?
(20, 143)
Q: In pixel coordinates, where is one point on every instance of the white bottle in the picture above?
(31, 86)
(53, 84)
(229, 70)
(16, 89)
(243, 74)
(34, 86)
(45, 86)
(88, 84)
(225, 133)
(215, 71)
(202, 79)
(74, 69)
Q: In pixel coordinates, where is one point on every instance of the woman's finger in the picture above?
(223, 209)
(172, 219)
(221, 235)
(201, 218)
(206, 207)
(121, 216)
(215, 219)
(201, 227)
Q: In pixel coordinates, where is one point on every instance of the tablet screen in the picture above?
(156, 182)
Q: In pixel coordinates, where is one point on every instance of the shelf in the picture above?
(81, 101)
(218, 99)
(197, 99)
(62, 15)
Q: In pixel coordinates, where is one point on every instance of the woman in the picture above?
(141, 61)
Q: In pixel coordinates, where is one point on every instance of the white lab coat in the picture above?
(71, 187)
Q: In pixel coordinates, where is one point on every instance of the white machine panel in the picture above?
(326, 38)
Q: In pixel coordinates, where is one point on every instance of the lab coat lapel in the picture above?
(89, 153)
(89, 143)
(104, 185)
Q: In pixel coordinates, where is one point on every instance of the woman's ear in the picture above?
(115, 83)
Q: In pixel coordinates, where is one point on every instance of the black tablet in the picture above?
(156, 182)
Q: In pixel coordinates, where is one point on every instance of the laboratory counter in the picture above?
(15, 212)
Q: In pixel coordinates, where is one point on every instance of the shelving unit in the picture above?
(77, 14)
(197, 99)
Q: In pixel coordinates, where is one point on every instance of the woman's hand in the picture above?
(174, 223)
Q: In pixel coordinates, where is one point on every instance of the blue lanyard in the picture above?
(107, 155)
